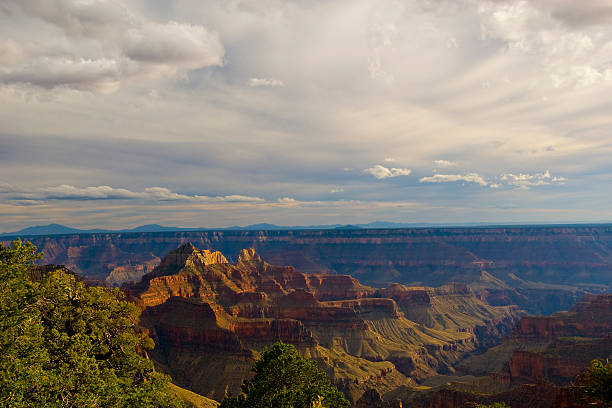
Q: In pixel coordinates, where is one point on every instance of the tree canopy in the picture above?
(599, 381)
(285, 379)
(66, 344)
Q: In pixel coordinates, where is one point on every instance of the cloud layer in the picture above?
(68, 192)
(304, 112)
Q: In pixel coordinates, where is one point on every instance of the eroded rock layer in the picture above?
(540, 364)
(209, 317)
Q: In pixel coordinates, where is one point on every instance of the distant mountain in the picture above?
(347, 227)
(157, 228)
(57, 229)
(51, 229)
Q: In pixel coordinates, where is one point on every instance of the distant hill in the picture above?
(51, 229)
(57, 229)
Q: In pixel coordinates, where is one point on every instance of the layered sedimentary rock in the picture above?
(209, 317)
(542, 269)
(554, 348)
(540, 364)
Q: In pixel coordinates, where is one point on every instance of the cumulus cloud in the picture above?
(99, 45)
(271, 82)
(287, 200)
(525, 180)
(381, 172)
(449, 178)
(389, 160)
(337, 190)
(444, 163)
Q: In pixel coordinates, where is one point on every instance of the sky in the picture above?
(206, 113)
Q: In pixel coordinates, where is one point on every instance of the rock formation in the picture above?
(209, 318)
(541, 269)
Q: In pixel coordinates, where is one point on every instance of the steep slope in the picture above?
(209, 318)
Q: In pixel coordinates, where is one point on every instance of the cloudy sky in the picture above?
(117, 113)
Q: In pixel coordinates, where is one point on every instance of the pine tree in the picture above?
(285, 379)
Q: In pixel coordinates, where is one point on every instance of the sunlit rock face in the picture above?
(541, 269)
(209, 317)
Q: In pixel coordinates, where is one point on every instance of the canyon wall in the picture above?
(542, 269)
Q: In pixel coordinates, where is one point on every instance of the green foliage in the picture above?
(599, 381)
(64, 344)
(285, 379)
(493, 405)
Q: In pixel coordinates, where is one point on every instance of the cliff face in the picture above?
(553, 348)
(209, 317)
(557, 348)
(531, 262)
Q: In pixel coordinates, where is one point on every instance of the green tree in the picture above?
(285, 379)
(598, 378)
(65, 344)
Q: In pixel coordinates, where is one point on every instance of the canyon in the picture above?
(209, 318)
(541, 269)
(422, 317)
(539, 364)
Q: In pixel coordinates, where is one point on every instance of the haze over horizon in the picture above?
(118, 113)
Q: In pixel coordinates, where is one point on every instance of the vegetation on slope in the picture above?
(285, 379)
(599, 381)
(64, 344)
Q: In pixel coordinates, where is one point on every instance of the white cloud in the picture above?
(255, 82)
(287, 200)
(96, 45)
(337, 190)
(449, 178)
(389, 160)
(444, 163)
(87, 193)
(381, 172)
(101, 75)
(68, 192)
(525, 180)
(572, 56)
